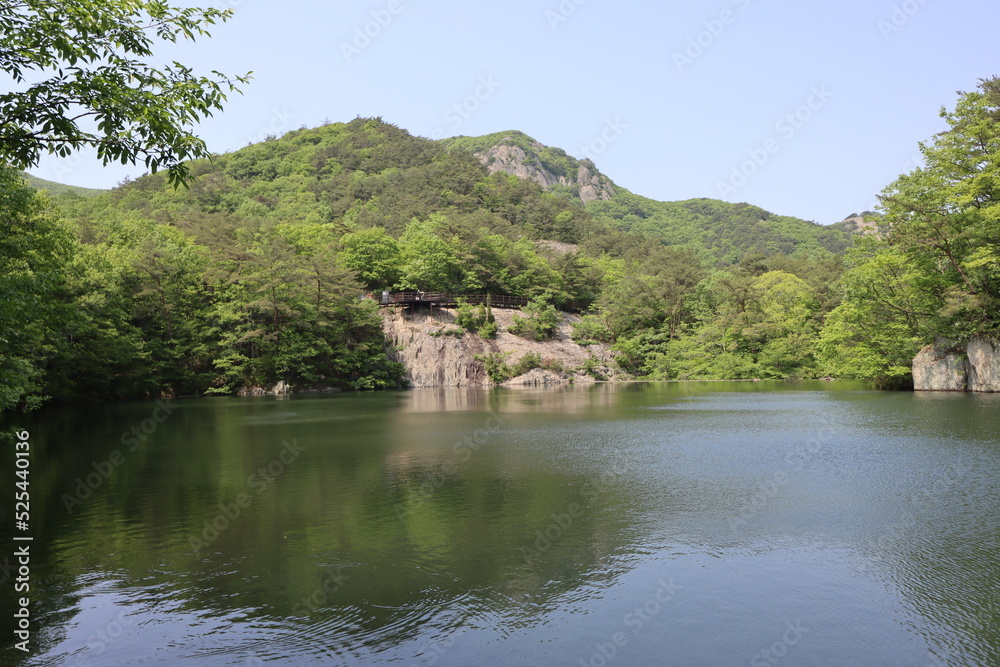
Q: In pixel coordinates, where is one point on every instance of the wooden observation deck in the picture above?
(445, 300)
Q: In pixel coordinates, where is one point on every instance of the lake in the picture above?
(619, 524)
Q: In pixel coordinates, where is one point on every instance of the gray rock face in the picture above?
(280, 389)
(946, 366)
(984, 365)
(436, 353)
(940, 367)
(435, 360)
(536, 378)
(515, 161)
(593, 185)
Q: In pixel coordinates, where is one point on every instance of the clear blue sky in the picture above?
(866, 79)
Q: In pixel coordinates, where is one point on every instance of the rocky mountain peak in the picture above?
(551, 168)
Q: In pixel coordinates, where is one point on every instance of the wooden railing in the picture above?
(449, 300)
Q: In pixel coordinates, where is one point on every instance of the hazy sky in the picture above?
(805, 109)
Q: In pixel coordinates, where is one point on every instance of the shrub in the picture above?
(489, 330)
(478, 319)
(529, 361)
(592, 367)
(457, 333)
(496, 365)
(540, 323)
(589, 330)
(499, 370)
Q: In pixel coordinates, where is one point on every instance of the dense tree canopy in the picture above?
(935, 273)
(35, 249)
(80, 76)
(83, 78)
(255, 275)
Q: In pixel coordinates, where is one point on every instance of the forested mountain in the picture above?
(254, 274)
(720, 230)
(714, 229)
(58, 188)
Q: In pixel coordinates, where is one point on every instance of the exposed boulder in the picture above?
(948, 366)
(437, 353)
(280, 389)
(593, 184)
(984, 364)
(537, 377)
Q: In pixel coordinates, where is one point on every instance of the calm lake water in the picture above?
(636, 524)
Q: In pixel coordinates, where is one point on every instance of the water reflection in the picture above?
(524, 527)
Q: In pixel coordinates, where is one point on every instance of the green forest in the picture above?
(252, 272)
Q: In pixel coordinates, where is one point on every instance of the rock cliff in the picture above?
(948, 366)
(437, 354)
(984, 364)
(583, 176)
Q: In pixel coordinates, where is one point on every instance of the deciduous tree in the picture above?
(84, 77)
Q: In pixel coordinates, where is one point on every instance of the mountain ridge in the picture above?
(718, 232)
(518, 154)
(256, 275)
(54, 188)
(700, 223)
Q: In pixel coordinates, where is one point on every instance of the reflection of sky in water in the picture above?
(667, 599)
(550, 537)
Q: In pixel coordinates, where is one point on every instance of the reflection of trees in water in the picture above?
(568, 399)
(417, 565)
(334, 510)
